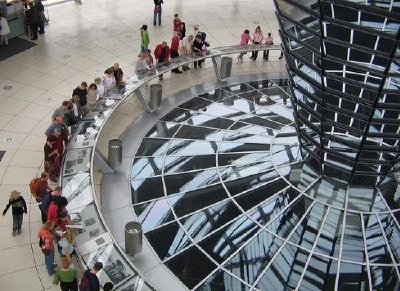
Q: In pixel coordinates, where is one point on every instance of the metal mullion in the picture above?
(389, 210)
(312, 249)
(388, 246)
(282, 246)
(366, 252)
(259, 231)
(342, 239)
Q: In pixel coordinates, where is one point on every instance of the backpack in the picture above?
(41, 245)
(44, 206)
(32, 183)
(84, 286)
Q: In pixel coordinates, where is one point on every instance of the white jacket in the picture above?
(4, 26)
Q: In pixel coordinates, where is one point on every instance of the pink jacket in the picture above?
(258, 36)
(245, 39)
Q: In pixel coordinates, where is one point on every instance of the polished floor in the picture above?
(80, 42)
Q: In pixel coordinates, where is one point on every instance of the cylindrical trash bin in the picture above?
(226, 67)
(133, 238)
(114, 152)
(155, 96)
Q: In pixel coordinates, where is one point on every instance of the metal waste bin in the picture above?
(155, 96)
(226, 67)
(133, 238)
(115, 152)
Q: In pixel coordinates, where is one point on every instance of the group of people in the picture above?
(52, 203)
(181, 45)
(193, 44)
(35, 18)
(256, 38)
(66, 118)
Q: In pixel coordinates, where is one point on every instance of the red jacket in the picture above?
(158, 50)
(177, 24)
(175, 43)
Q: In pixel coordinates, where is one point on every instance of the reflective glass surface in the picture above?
(228, 199)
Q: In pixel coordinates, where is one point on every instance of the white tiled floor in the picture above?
(80, 42)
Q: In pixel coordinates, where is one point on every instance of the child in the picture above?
(144, 35)
(17, 202)
(67, 243)
(4, 30)
(244, 40)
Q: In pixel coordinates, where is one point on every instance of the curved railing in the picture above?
(94, 241)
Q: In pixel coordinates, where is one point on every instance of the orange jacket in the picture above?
(47, 238)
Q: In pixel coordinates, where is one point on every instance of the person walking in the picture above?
(269, 41)
(18, 206)
(257, 39)
(162, 54)
(66, 276)
(144, 36)
(244, 40)
(4, 30)
(45, 236)
(157, 12)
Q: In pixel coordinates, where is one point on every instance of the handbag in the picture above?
(157, 9)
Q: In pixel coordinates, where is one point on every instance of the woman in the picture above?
(91, 96)
(244, 40)
(66, 276)
(157, 11)
(18, 206)
(4, 30)
(50, 155)
(109, 80)
(100, 86)
(45, 236)
(141, 67)
(182, 30)
(257, 39)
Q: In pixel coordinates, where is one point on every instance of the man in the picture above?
(89, 280)
(118, 74)
(197, 49)
(39, 188)
(174, 51)
(82, 92)
(162, 54)
(270, 41)
(42, 17)
(47, 199)
(32, 18)
(185, 48)
(63, 111)
(58, 123)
